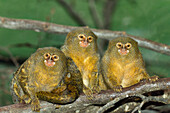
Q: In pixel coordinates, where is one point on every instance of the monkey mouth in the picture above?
(84, 43)
(49, 63)
(123, 51)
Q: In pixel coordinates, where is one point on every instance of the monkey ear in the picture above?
(136, 42)
(68, 35)
(96, 36)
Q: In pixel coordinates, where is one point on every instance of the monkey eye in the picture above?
(119, 45)
(55, 57)
(81, 37)
(47, 55)
(128, 45)
(90, 38)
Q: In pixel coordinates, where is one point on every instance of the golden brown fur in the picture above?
(34, 76)
(118, 69)
(85, 58)
(69, 90)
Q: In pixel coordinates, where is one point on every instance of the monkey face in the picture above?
(123, 49)
(84, 41)
(50, 59)
(123, 46)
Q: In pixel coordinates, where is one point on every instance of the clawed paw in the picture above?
(89, 93)
(117, 88)
(95, 90)
(35, 105)
(143, 80)
(90, 97)
(150, 79)
(154, 78)
(26, 99)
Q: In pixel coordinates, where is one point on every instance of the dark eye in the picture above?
(81, 37)
(55, 57)
(46, 55)
(119, 45)
(90, 38)
(128, 45)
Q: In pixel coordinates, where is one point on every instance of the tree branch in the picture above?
(140, 88)
(142, 92)
(94, 14)
(14, 60)
(72, 13)
(108, 10)
(38, 26)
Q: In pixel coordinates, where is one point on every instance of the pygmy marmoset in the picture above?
(81, 46)
(42, 71)
(122, 64)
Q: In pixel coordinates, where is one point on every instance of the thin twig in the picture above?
(108, 10)
(138, 107)
(14, 60)
(98, 22)
(22, 24)
(72, 13)
(126, 108)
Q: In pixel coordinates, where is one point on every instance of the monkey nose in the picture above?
(84, 43)
(123, 51)
(49, 63)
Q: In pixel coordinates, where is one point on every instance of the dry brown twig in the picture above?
(72, 13)
(108, 11)
(38, 26)
(14, 60)
(98, 22)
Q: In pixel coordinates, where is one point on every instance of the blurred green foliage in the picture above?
(148, 19)
(145, 18)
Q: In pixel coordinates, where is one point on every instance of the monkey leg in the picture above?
(64, 97)
(16, 93)
(94, 83)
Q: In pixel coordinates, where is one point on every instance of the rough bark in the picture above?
(138, 97)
